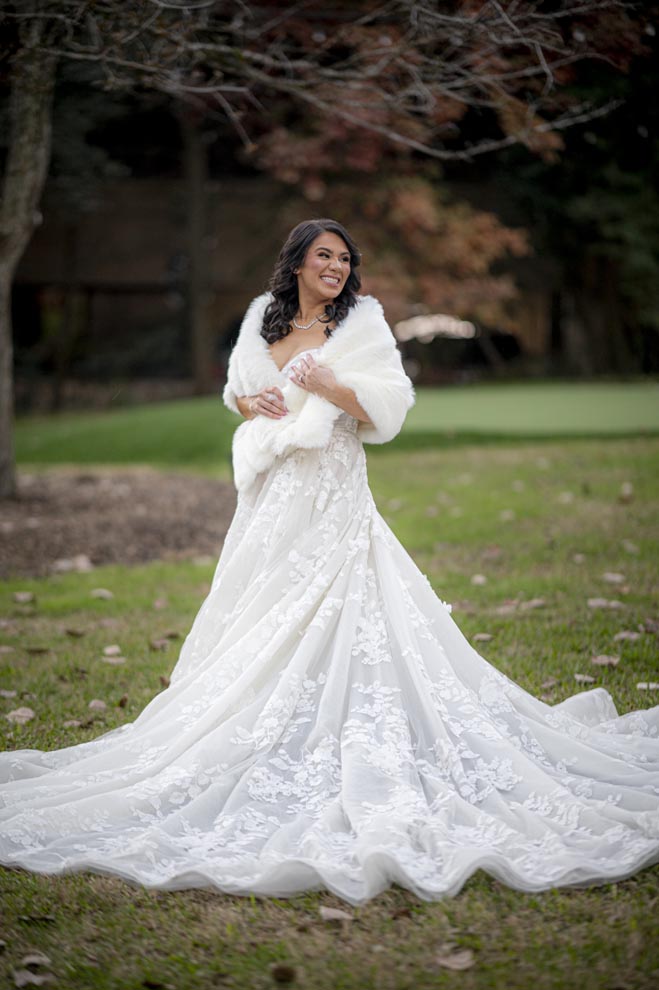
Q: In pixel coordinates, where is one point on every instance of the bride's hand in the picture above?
(312, 377)
(268, 402)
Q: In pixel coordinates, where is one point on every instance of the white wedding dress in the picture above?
(328, 726)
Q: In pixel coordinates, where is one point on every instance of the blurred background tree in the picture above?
(353, 107)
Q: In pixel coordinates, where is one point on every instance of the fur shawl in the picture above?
(363, 355)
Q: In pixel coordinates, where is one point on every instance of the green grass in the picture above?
(446, 506)
(196, 433)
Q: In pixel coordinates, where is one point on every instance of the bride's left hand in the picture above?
(312, 377)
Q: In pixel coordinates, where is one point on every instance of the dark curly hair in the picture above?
(283, 283)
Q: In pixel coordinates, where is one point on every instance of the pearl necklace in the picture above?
(302, 326)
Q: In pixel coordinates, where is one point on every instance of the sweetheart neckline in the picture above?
(306, 350)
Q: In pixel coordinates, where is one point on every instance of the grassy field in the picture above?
(196, 433)
(533, 519)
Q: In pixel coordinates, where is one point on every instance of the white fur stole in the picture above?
(363, 355)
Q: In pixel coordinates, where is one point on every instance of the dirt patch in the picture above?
(74, 520)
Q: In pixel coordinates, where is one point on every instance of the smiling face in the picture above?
(325, 270)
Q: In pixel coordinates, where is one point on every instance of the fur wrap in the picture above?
(363, 355)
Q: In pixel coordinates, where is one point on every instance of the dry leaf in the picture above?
(112, 651)
(164, 681)
(482, 637)
(565, 498)
(25, 978)
(463, 959)
(123, 701)
(102, 593)
(584, 679)
(172, 634)
(4, 693)
(578, 558)
(533, 603)
(36, 650)
(613, 577)
(6, 649)
(334, 914)
(24, 597)
(115, 661)
(35, 959)
(629, 546)
(604, 603)
(97, 705)
(478, 579)
(72, 723)
(20, 716)
(159, 644)
(549, 683)
(283, 973)
(605, 660)
(72, 631)
(626, 634)
(626, 493)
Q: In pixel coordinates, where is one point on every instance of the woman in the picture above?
(327, 724)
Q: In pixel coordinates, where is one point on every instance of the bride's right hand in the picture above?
(268, 402)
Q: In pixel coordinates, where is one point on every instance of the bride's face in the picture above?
(326, 267)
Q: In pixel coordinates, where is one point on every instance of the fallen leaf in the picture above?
(403, 912)
(6, 649)
(72, 723)
(604, 603)
(4, 693)
(24, 597)
(334, 914)
(613, 577)
(626, 634)
(159, 644)
(97, 705)
(629, 546)
(578, 558)
(565, 498)
(478, 579)
(20, 716)
(115, 661)
(113, 650)
(648, 686)
(26, 978)
(102, 593)
(172, 634)
(626, 493)
(283, 973)
(605, 660)
(37, 919)
(482, 637)
(532, 603)
(508, 607)
(164, 681)
(35, 959)
(36, 650)
(123, 701)
(72, 631)
(650, 625)
(463, 959)
(584, 679)
(549, 683)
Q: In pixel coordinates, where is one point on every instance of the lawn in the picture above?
(495, 525)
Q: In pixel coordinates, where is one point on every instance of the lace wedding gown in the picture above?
(328, 726)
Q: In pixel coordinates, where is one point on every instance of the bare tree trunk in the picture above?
(32, 82)
(196, 176)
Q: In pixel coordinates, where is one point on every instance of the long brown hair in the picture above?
(283, 283)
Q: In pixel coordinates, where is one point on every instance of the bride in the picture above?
(327, 725)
